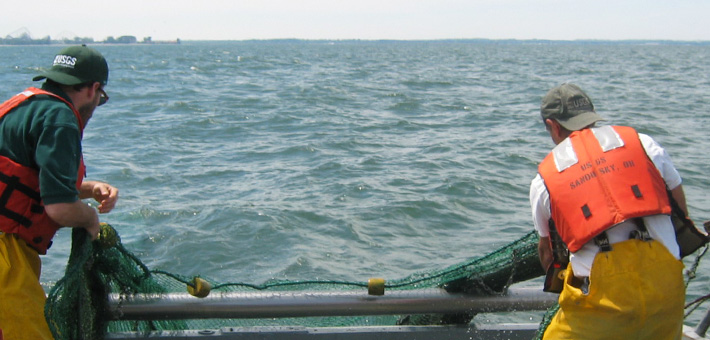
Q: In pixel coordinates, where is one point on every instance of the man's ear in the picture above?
(93, 89)
(556, 130)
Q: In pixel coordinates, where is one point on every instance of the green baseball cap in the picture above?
(75, 65)
(569, 106)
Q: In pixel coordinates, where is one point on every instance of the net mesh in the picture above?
(76, 304)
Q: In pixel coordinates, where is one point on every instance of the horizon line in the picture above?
(546, 40)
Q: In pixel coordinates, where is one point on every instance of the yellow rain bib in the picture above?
(21, 295)
(636, 291)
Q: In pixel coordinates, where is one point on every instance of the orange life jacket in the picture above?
(600, 177)
(21, 209)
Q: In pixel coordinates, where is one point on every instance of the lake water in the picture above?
(246, 161)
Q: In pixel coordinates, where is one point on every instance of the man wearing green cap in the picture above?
(41, 180)
(603, 190)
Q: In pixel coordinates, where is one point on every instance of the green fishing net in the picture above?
(78, 305)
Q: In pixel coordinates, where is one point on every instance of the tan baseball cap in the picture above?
(570, 106)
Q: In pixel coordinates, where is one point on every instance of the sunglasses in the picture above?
(103, 97)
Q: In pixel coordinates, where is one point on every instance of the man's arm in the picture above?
(544, 250)
(76, 214)
(539, 201)
(665, 166)
(679, 196)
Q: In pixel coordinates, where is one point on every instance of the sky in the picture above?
(685, 20)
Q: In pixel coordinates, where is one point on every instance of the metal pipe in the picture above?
(235, 305)
(703, 325)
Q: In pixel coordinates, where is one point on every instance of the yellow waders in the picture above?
(21, 295)
(636, 291)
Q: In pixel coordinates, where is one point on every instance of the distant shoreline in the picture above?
(484, 41)
(26, 39)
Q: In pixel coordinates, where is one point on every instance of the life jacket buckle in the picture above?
(602, 241)
(641, 233)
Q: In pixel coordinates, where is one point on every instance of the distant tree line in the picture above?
(26, 39)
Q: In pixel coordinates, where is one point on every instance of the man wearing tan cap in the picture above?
(41, 180)
(603, 190)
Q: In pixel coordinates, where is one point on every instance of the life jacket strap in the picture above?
(602, 241)
(641, 233)
(12, 183)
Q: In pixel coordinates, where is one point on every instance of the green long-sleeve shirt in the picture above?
(43, 133)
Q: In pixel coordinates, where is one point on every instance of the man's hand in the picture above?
(105, 194)
(94, 230)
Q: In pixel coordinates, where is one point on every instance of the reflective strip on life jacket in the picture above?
(565, 156)
(600, 177)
